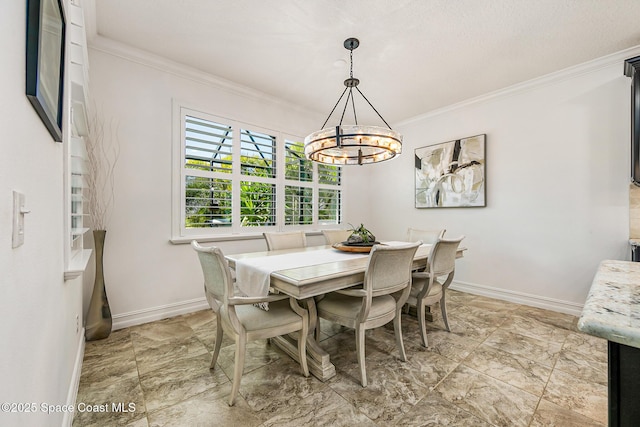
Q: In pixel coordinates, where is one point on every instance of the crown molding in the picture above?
(129, 53)
(592, 66)
(147, 59)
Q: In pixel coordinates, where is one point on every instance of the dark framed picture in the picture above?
(45, 61)
(451, 174)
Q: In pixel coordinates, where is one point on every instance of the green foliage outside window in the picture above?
(208, 200)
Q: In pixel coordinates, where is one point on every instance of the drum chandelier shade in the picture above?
(352, 144)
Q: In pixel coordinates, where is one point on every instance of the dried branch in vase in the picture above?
(103, 150)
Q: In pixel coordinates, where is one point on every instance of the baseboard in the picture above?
(519, 297)
(147, 315)
(72, 394)
(139, 317)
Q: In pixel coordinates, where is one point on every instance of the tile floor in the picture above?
(503, 364)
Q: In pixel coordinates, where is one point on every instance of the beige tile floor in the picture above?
(502, 364)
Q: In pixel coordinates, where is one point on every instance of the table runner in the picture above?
(253, 275)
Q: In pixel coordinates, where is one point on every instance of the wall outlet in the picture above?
(77, 323)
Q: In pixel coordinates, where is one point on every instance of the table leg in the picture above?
(428, 314)
(319, 363)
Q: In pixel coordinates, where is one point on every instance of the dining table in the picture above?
(304, 274)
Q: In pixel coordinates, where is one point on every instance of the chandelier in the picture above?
(352, 144)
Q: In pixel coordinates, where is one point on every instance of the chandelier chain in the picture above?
(351, 60)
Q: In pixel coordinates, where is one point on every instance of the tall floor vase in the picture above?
(99, 320)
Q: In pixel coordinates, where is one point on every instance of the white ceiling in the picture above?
(414, 56)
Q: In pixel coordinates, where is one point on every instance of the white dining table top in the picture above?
(318, 278)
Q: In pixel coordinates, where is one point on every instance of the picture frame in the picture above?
(451, 174)
(45, 49)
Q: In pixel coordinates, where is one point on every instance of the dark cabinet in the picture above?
(632, 69)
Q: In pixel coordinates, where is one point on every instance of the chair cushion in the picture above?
(279, 314)
(347, 307)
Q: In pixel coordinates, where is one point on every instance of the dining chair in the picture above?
(285, 240)
(239, 317)
(387, 281)
(426, 290)
(336, 236)
(425, 236)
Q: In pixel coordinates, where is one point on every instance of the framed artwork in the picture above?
(45, 61)
(451, 174)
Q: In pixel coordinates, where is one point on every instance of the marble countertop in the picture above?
(612, 309)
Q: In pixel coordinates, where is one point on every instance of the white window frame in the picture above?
(74, 129)
(182, 234)
(313, 184)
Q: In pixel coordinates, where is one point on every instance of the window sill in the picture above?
(78, 264)
(182, 240)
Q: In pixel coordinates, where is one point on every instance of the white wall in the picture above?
(557, 162)
(557, 177)
(38, 309)
(146, 276)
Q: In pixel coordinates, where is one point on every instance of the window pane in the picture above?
(298, 205)
(297, 166)
(257, 204)
(207, 202)
(212, 146)
(208, 145)
(329, 207)
(328, 174)
(257, 154)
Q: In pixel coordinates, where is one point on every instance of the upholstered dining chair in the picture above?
(426, 290)
(336, 236)
(285, 240)
(425, 236)
(387, 281)
(237, 316)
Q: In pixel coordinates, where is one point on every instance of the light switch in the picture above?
(19, 212)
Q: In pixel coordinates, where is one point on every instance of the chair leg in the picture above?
(443, 309)
(219, 335)
(360, 351)
(397, 326)
(422, 322)
(238, 367)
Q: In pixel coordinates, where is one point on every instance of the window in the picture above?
(238, 178)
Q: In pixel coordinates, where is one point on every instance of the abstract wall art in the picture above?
(451, 174)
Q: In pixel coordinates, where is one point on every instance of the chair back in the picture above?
(425, 236)
(285, 240)
(442, 259)
(218, 283)
(389, 268)
(336, 236)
